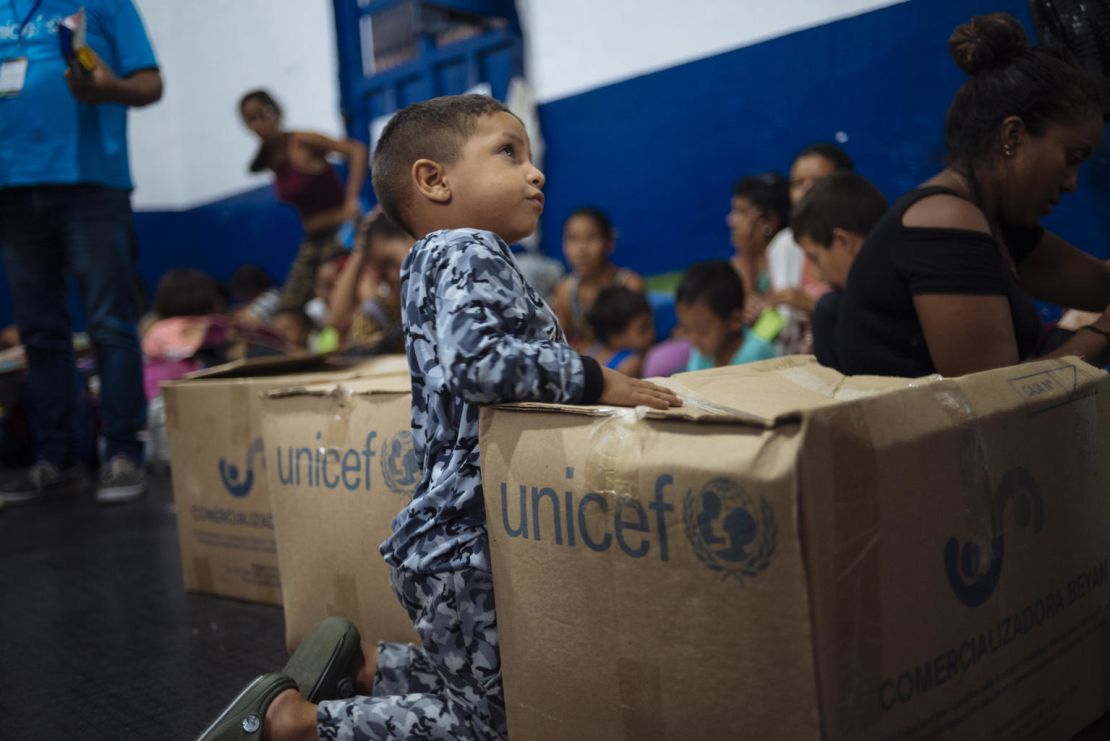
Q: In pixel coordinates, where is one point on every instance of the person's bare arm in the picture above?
(967, 333)
(343, 302)
(633, 366)
(560, 303)
(101, 85)
(356, 155)
(1063, 274)
(634, 282)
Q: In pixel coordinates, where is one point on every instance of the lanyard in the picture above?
(26, 20)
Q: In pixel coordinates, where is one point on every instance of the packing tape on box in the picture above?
(345, 598)
(616, 442)
(973, 465)
(239, 407)
(858, 621)
(339, 423)
(202, 573)
(173, 418)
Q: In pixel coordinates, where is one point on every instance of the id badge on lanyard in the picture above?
(13, 71)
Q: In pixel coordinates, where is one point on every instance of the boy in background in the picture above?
(458, 171)
(830, 224)
(709, 302)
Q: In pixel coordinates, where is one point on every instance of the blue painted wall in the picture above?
(660, 152)
(219, 237)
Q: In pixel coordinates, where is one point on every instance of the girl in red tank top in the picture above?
(305, 178)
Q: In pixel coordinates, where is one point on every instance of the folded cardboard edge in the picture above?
(805, 374)
(392, 383)
(270, 366)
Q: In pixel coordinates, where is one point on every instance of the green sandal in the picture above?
(242, 719)
(321, 665)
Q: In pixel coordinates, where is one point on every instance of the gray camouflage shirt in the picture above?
(475, 333)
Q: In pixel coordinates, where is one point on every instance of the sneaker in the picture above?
(42, 478)
(122, 481)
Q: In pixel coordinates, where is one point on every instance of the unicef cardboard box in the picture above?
(342, 465)
(214, 428)
(799, 555)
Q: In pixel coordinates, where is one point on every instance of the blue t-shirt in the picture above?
(753, 348)
(48, 137)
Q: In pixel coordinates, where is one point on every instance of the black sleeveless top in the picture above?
(878, 331)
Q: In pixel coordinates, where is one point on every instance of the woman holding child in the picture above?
(944, 282)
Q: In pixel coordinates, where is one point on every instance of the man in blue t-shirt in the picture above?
(65, 210)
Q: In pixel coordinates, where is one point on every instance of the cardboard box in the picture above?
(342, 467)
(799, 555)
(214, 427)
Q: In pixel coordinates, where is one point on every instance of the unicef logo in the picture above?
(973, 579)
(400, 468)
(229, 472)
(729, 533)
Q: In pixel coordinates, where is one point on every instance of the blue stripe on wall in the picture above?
(218, 237)
(661, 152)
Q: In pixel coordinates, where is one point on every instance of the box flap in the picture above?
(273, 366)
(395, 383)
(341, 366)
(767, 393)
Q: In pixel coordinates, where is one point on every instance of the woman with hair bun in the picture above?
(944, 282)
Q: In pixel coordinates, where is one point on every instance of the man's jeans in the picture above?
(46, 234)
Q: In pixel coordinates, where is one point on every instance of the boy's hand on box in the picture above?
(620, 390)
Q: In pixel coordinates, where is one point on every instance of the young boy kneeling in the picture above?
(457, 170)
(830, 224)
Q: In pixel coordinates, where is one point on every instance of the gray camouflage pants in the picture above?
(448, 689)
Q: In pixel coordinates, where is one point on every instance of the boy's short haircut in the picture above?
(614, 309)
(248, 281)
(714, 283)
(434, 129)
(301, 316)
(187, 292)
(769, 192)
(838, 157)
(843, 200)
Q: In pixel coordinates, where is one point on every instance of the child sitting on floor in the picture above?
(622, 330)
(710, 305)
(365, 306)
(457, 171)
(830, 225)
(588, 243)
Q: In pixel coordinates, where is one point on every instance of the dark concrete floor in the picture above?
(98, 639)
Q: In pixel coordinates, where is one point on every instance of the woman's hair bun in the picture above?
(988, 41)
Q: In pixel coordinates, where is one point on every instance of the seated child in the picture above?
(710, 304)
(365, 306)
(458, 172)
(295, 327)
(186, 306)
(794, 281)
(254, 291)
(622, 328)
(588, 243)
(830, 225)
(326, 275)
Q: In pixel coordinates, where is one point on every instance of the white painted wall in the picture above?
(577, 45)
(191, 147)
